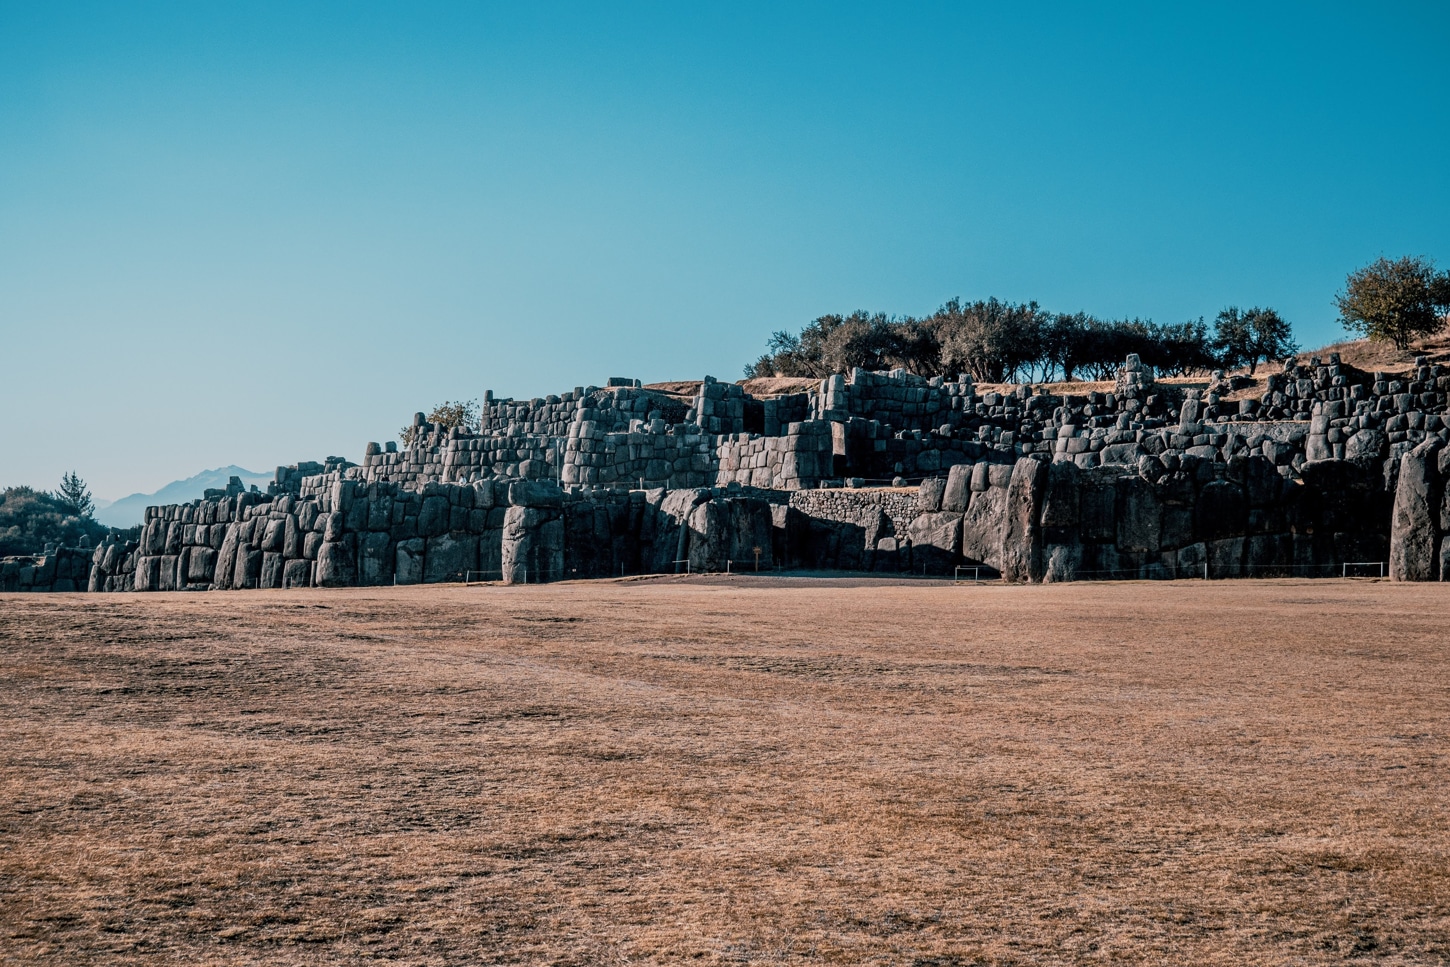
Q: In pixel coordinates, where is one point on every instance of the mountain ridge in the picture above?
(129, 510)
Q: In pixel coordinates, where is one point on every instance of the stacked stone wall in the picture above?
(57, 570)
(1328, 466)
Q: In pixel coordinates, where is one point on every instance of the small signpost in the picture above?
(757, 556)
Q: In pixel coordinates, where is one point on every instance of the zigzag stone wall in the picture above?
(1328, 466)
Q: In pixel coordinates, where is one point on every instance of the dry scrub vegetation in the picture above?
(728, 771)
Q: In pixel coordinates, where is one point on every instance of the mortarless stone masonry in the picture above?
(876, 471)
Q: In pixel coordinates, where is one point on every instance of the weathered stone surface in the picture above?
(1060, 503)
(201, 565)
(1366, 446)
(272, 537)
(148, 573)
(1414, 536)
(1222, 511)
(534, 493)
(1225, 557)
(533, 545)
(376, 558)
(408, 561)
(1269, 555)
(291, 538)
(297, 573)
(226, 562)
(1443, 466)
(1139, 515)
(935, 541)
(449, 557)
(981, 477)
(380, 512)
(983, 527)
(271, 576)
(958, 490)
(248, 569)
(336, 567)
(1061, 562)
(1121, 454)
(1022, 539)
(1097, 503)
(750, 528)
(433, 520)
(929, 494)
(1191, 561)
(709, 536)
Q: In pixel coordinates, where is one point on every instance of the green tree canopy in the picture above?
(1252, 336)
(1399, 301)
(75, 496)
(992, 340)
(30, 519)
(447, 414)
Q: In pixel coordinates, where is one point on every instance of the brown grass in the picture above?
(728, 771)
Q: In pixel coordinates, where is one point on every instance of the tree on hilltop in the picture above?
(1252, 336)
(447, 414)
(30, 519)
(75, 496)
(1400, 301)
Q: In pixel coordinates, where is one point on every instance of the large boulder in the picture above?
(1061, 562)
(408, 561)
(226, 561)
(709, 540)
(1097, 506)
(983, 525)
(1022, 539)
(1060, 502)
(1222, 511)
(336, 567)
(450, 557)
(750, 528)
(533, 545)
(1366, 447)
(535, 493)
(1139, 515)
(272, 564)
(375, 559)
(248, 570)
(929, 494)
(958, 489)
(434, 517)
(1414, 534)
(935, 541)
(297, 573)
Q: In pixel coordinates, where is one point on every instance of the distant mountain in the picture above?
(129, 511)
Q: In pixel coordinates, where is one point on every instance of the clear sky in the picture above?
(257, 233)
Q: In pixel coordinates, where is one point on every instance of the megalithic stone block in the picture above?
(1414, 534)
(1022, 536)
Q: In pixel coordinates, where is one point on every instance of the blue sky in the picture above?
(258, 233)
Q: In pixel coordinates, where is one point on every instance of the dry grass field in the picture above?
(728, 771)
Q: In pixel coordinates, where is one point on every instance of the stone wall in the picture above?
(1328, 466)
(58, 569)
(1032, 519)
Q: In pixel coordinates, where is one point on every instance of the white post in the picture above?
(1205, 570)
